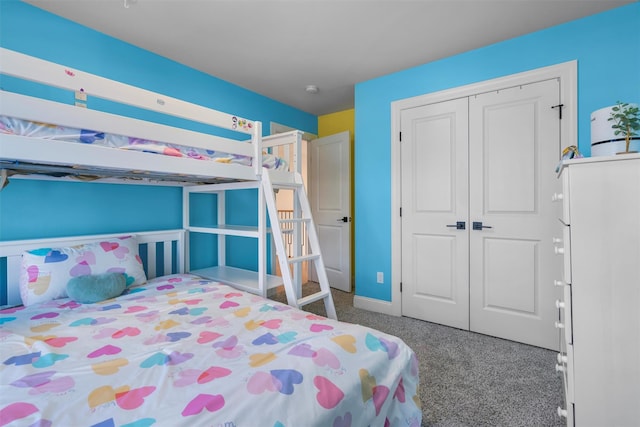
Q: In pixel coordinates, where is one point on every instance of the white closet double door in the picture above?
(477, 219)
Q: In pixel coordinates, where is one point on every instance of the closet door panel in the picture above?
(432, 159)
(440, 271)
(514, 146)
(510, 158)
(435, 263)
(502, 290)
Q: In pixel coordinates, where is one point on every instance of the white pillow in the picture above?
(45, 272)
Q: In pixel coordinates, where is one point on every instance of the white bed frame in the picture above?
(81, 158)
(171, 241)
(34, 157)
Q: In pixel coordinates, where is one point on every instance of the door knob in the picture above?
(345, 219)
(477, 225)
(459, 225)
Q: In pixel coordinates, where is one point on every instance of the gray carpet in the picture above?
(467, 379)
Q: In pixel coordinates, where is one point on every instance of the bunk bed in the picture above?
(181, 348)
(45, 137)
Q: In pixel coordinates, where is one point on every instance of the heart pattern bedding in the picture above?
(15, 126)
(180, 350)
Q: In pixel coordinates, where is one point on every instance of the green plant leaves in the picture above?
(625, 118)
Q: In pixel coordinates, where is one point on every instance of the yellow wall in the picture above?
(336, 123)
(333, 123)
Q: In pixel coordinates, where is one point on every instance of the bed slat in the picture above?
(151, 261)
(167, 263)
(13, 270)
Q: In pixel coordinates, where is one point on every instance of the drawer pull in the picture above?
(562, 412)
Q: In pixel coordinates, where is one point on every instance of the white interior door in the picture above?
(435, 251)
(514, 146)
(330, 199)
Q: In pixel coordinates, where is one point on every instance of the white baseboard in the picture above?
(372, 304)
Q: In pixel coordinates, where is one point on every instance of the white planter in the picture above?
(603, 141)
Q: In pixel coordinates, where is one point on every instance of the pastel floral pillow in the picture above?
(45, 272)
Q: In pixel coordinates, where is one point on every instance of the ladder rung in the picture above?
(285, 186)
(313, 298)
(296, 220)
(302, 258)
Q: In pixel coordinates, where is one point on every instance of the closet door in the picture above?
(435, 253)
(514, 145)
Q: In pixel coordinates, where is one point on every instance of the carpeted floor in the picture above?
(467, 379)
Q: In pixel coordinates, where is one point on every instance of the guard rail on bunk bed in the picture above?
(22, 153)
(130, 150)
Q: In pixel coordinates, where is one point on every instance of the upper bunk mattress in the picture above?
(15, 126)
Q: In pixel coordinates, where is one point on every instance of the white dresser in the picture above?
(599, 316)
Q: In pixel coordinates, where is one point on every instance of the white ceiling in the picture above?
(278, 47)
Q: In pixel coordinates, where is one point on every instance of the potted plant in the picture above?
(626, 122)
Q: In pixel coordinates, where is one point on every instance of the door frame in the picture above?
(566, 72)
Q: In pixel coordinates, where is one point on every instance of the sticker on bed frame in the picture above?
(81, 98)
(241, 123)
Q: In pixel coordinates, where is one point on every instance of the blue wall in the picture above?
(32, 209)
(607, 48)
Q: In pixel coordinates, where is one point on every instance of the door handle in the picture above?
(477, 225)
(344, 219)
(459, 225)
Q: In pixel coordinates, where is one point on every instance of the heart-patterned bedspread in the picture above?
(180, 350)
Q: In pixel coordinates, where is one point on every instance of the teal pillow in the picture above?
(94, 288)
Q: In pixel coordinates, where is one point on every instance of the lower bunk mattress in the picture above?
(180, 350)
(15, 126)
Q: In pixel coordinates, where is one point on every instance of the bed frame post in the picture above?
(262, 242)
(186, 259)
(297, 153)
(256, 140)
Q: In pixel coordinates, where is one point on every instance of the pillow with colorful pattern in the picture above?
(45, 272)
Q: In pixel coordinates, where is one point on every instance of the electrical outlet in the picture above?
(380, 277)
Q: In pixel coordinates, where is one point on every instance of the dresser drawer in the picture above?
(562, 247)
(568, 316)
(564, 323)
(566, 211)
(563, 199)
(567, 359)
(565, 366)
(566, 261)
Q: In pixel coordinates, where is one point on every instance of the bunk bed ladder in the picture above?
(293, 288)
